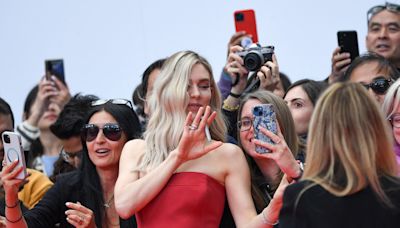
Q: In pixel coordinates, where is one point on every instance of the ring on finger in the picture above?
(193, 127)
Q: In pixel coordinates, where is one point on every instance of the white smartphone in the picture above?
(13, 151)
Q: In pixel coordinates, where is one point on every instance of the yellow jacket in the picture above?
(34, 190)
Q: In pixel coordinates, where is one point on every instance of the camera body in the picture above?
(255, 56)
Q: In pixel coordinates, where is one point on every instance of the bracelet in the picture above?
(15, 205)
(227, 107)
(15, 221)
(301, 166)
(234, 95)
(265, 220)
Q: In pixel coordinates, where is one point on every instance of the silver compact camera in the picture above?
(255, 56)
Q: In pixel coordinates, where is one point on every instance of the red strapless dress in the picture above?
(189, 200)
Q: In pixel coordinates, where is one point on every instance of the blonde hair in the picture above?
(392, 100)
(349, 144)
(167, 104)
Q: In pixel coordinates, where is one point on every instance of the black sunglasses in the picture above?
(68, 156)
(111, 131)
(376, 9)
(379, 85)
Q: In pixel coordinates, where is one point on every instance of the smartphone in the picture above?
(55, 67)
(348, 42)
(13, 151)
(245, 20)
(264, 116)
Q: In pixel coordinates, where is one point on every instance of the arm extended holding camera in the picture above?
(256, 59)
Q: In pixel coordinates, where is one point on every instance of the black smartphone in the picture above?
(348, 42)
(55, 67)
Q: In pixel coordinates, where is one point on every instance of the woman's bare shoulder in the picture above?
(230, 150)
(135, 142)
(134, 148)
(230, 147)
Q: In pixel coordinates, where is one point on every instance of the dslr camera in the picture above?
(255, 56)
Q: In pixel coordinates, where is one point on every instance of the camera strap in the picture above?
(253, 85)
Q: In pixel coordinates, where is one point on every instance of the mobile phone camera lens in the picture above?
(239, 17)
(6, 139)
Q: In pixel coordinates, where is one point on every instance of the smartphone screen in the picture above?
(13, 151)
(264, 116)
(245, 20)
(348, 42)
(55, 67)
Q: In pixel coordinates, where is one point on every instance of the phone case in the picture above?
(13, 151)
(245, 20)
(264, 115)
(348, 42)
(55, 67)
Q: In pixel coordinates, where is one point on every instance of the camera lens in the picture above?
(239, 17)
(253, 61)
(6, 138)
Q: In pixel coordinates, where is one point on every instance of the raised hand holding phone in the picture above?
(13, 152)
(245, 20)
(348, 42)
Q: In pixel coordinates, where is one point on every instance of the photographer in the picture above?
(383, 38)
(265, 75)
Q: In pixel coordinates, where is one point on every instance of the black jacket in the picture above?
(318, 208)
(51, 209)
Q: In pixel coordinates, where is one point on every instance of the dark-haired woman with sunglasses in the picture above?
(83, 198)
(374, 72)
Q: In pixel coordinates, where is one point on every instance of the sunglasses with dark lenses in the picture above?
(111, 131)
(113, 101)
(388, 6)
(68, 156)
(379, 86)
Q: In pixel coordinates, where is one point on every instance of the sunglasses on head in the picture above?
(111, 131)
(379, 85)
(113, 101)
(376, 9)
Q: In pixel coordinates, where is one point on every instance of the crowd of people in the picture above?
(184, 153)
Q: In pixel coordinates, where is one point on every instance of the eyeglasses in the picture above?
(245, 124)
(69, 156)
(376, 9)
(379, 85)
(395, 120)
(111, 131)
(118, 101)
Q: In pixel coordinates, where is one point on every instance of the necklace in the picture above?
(109, 202)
